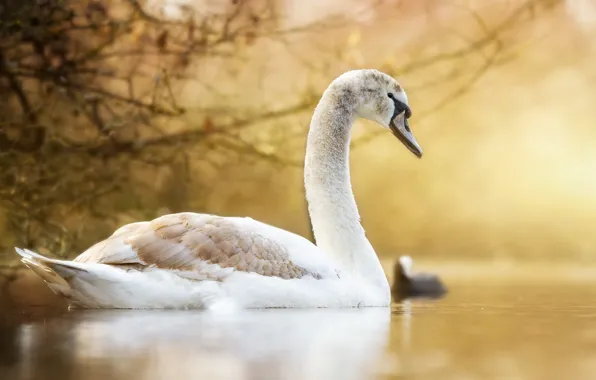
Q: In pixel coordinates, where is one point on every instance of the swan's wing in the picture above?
(114, 250)
(196, 243)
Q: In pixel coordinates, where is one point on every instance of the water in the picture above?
(483, 329)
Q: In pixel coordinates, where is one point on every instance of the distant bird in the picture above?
(190, 260)
(408, 285)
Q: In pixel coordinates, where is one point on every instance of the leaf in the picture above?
(208, 124)
(162, 41)
(251, 37)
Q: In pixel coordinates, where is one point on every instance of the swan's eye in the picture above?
(390, 95)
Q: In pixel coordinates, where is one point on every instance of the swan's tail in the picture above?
(56, 273)
(95, 285)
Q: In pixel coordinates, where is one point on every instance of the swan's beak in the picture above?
(401, 129)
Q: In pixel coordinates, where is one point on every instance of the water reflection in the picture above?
(288, 344)
(501, 327)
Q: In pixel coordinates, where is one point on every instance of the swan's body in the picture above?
(190, 260)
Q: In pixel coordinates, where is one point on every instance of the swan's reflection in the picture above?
(280, 344)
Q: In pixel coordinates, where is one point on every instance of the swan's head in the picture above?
(378, 97)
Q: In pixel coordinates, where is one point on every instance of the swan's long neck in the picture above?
(331, 203)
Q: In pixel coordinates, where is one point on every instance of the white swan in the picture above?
(190, 260)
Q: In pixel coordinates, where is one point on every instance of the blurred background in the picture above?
(118, 111)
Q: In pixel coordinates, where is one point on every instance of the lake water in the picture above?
(485, 328)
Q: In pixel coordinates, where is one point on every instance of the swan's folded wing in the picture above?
(194, 243)
(114, 250)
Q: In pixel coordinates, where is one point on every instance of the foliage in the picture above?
(98, 126)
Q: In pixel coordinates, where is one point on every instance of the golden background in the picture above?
(502, 94)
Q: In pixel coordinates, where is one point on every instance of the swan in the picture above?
(190, 260)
